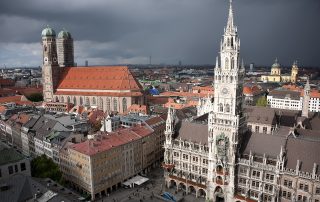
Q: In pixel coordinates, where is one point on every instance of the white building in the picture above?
(293, 100)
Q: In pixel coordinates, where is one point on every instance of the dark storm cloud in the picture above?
(126, 31)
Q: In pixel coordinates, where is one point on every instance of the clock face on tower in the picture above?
(225, 91)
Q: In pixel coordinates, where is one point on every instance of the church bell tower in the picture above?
(226, 121)
(50, 67)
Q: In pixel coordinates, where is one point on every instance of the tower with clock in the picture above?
(226, 121)
(50, 67)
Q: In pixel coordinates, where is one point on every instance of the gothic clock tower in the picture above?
(226, 122)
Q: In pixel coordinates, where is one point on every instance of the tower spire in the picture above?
(230, 26)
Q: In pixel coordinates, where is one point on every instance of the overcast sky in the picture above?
(129, 31)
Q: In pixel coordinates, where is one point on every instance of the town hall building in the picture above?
(243, 154)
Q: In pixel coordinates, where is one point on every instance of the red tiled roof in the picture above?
(106, 141)
(138, 108)
(15, 98)
(154, 120)
(254, 90)
(28, 91)
(114, 94)
(184, 94)
(6, 82)
(2, 109)
(98, 78)
(315, 94)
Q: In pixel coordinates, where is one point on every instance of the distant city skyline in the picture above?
(127, 32)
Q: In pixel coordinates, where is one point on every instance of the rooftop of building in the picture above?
(304, 146)
(280, 93)
(262, 115)
(19, 187)
(104, 141)
(192, 131)
(113, 78)
(9, 155)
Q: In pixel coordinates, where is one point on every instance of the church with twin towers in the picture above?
(242, 154)
(112, 89)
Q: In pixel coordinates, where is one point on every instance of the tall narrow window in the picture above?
(100, 103)
(68, 99)
(124, 104)
(75, 101)
(115, 104)
(81, 100)
(227, 108)
(94, 102)
(87, 101)
(62, 99)
(227, 63)
(221, 107)
(108, 104)
(232, 63)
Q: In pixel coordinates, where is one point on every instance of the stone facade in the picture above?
(235, 154)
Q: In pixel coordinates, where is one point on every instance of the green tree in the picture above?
(262, 101)
(35, 97)
(44, 167)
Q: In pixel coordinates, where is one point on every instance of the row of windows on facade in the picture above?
(257, 174)
(288, 195)
(94, 102)
(225, 79)
(254, 194)
(15, 168)
(256, 184)
(194, 146)
(232, 63)
(257, 129)
(302, 186)
(194, 158)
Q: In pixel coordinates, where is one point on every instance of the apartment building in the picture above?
(104, 161)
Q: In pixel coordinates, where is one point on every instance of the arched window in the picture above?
(108, 104)
(115, 104)
(74, 100)
(124, 104)
(227, 79)
(219, 78)
(62, 99)
(227, 108)
(231, 79)
(87, 101)
(232, 63)
(81, 101)
(221, 107)
(68, 99)
(94, 101)
(57, 99)
(231, 41)
(100, 103)
(227, 63)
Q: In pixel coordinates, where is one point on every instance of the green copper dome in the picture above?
(276, 64)
(48, 31)
(64, 34)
